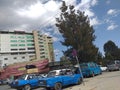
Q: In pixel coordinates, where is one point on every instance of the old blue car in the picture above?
(57, 79)
(26, 82)
(90, 69)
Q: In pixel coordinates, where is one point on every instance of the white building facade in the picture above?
(16, 47)
(20, 46)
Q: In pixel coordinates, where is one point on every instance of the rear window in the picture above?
(117, 62)
(111, 62)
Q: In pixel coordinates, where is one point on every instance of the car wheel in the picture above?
(58, 86)
(79, 81)
(119, 69)
(92, 74)
(27, 87)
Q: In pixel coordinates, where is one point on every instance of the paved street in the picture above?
(106, 81)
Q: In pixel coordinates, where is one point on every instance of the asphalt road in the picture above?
(106, 81)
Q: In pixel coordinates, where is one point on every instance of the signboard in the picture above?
(34, 70)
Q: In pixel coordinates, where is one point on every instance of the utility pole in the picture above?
(75, 54)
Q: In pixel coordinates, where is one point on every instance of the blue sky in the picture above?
(40, 15)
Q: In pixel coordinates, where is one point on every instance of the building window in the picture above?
(41, 46)
(13, 37)
(14, 53)
(30, 44)
(14, 49)
(31, 48)
(22, 53)
(30, 40)
(21, 44)
(42, 49)
(23, 57)
(21, 37)
(22, 49)
(21, 40)
(13, 41)
(42, 57)
(31, 52)
(15, 58)
(42, 53)
(13, 45)
(29, 37)
(41, 42)
(5, 58)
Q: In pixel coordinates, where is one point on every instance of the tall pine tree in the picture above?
(77, 32)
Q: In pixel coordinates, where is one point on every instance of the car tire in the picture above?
(119, 69)
(92, 74)
(58, 86)
(79, 81)
(27, 87)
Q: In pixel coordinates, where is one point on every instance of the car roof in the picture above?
(59, 70)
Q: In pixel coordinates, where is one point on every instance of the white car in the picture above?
(103, 68)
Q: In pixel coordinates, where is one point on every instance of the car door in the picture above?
(33, 81)
(68, 78)
(92, 69)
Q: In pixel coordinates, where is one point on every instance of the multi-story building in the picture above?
(43, 46)
(20, 46)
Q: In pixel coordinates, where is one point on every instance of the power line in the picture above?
(49, 20)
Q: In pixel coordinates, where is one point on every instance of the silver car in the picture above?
(113, 65)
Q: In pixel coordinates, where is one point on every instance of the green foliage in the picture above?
(99, 59)
(109, 47)
(77, 32)
(112, 52)
(65, 61)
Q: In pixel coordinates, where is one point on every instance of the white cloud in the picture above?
(57, 51)
(51, 6)
(89, 12)
(94, 2)
(113, 12)
(85, 6)
(55, 39)
(94, 21)
(112, 26)
(108, 20)
(22, 27)
(45, 12)
(40, 13)
(34, 11)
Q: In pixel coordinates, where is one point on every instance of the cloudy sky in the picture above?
(40, 15)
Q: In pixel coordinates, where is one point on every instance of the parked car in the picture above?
(90, 69)
(26, 82)
(103, 68)
(57, 79)
(1, 82)
(113, 65)
(5, 81)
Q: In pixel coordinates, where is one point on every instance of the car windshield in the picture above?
(83, 66)
(22, 77)
(52, 73)
(117, 62)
